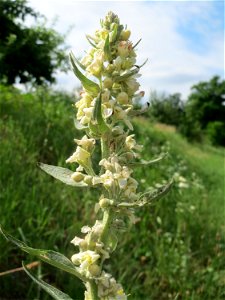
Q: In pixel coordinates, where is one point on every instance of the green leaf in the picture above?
(91, 43)
(114, 34)
(51, 290)
(149, 197)
(112, 241)
(136, 44)
(158, 193)
(107, 49)
(53, 258)
(150, 162)
(89, 85)
(97, 119)
(78, 62)
(61, 174)
(126, 74)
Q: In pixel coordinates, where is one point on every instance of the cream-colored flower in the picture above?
(86, 143)
(96, 65)
(132, 85)
(80, 156)
(124, 48)
(130, 143)
(85, 259)
(122, 114)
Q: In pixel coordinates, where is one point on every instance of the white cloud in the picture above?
(173, 66)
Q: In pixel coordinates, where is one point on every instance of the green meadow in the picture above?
(176, 248)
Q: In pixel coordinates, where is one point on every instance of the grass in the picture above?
(174, 251)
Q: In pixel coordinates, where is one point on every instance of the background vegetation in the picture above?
(176, 248)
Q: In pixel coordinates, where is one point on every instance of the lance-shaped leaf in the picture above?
(51, 290)
(129, 73)
(150, 162)
(61, 174)
(126, 74)
(149, 197)
(78, 62)
(136, 44)
(53, 258)
(88, 37)
(156, 194)
(107, 49)
(89, 85)
(97, 119)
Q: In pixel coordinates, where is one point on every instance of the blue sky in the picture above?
(183, 40)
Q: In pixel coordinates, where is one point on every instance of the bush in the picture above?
(216, 133)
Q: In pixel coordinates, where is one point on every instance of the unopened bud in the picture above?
(117, 130)
(83, 245)
(77, 176)
(125, 34)
(123, 98)
(95, 270)
(88, 179)
(107, 83)
(104, 203)
(75, 259)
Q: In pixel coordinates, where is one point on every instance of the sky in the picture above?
(183, 40)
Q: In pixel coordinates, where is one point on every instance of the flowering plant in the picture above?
(103, 112)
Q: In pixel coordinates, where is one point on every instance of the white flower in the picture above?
(130, 143)
(85, 259)
(132, 85)
(121, 114)
(124, 48)
(107, 179)
(85, 229)
(96, 65)
(80, 156)
(86, 143)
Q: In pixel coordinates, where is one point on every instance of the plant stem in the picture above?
(92, 286)
(104, 147)
(107, 218)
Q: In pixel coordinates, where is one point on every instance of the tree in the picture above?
(205, 106)
(29, 54)
(167, 109)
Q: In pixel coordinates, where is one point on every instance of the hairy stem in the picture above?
(92, 286)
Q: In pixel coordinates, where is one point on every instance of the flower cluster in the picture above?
(105, 115)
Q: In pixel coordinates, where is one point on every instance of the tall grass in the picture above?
(176, 249)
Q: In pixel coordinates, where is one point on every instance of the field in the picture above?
(174, 251)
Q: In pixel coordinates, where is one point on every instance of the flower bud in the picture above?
(125, 34)
(75, 260)
(83, 245)
(107, 83)
(88, 179)
(77, 176)
(94, 270)
(123, 98)
(104, 202)
(117, 130)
